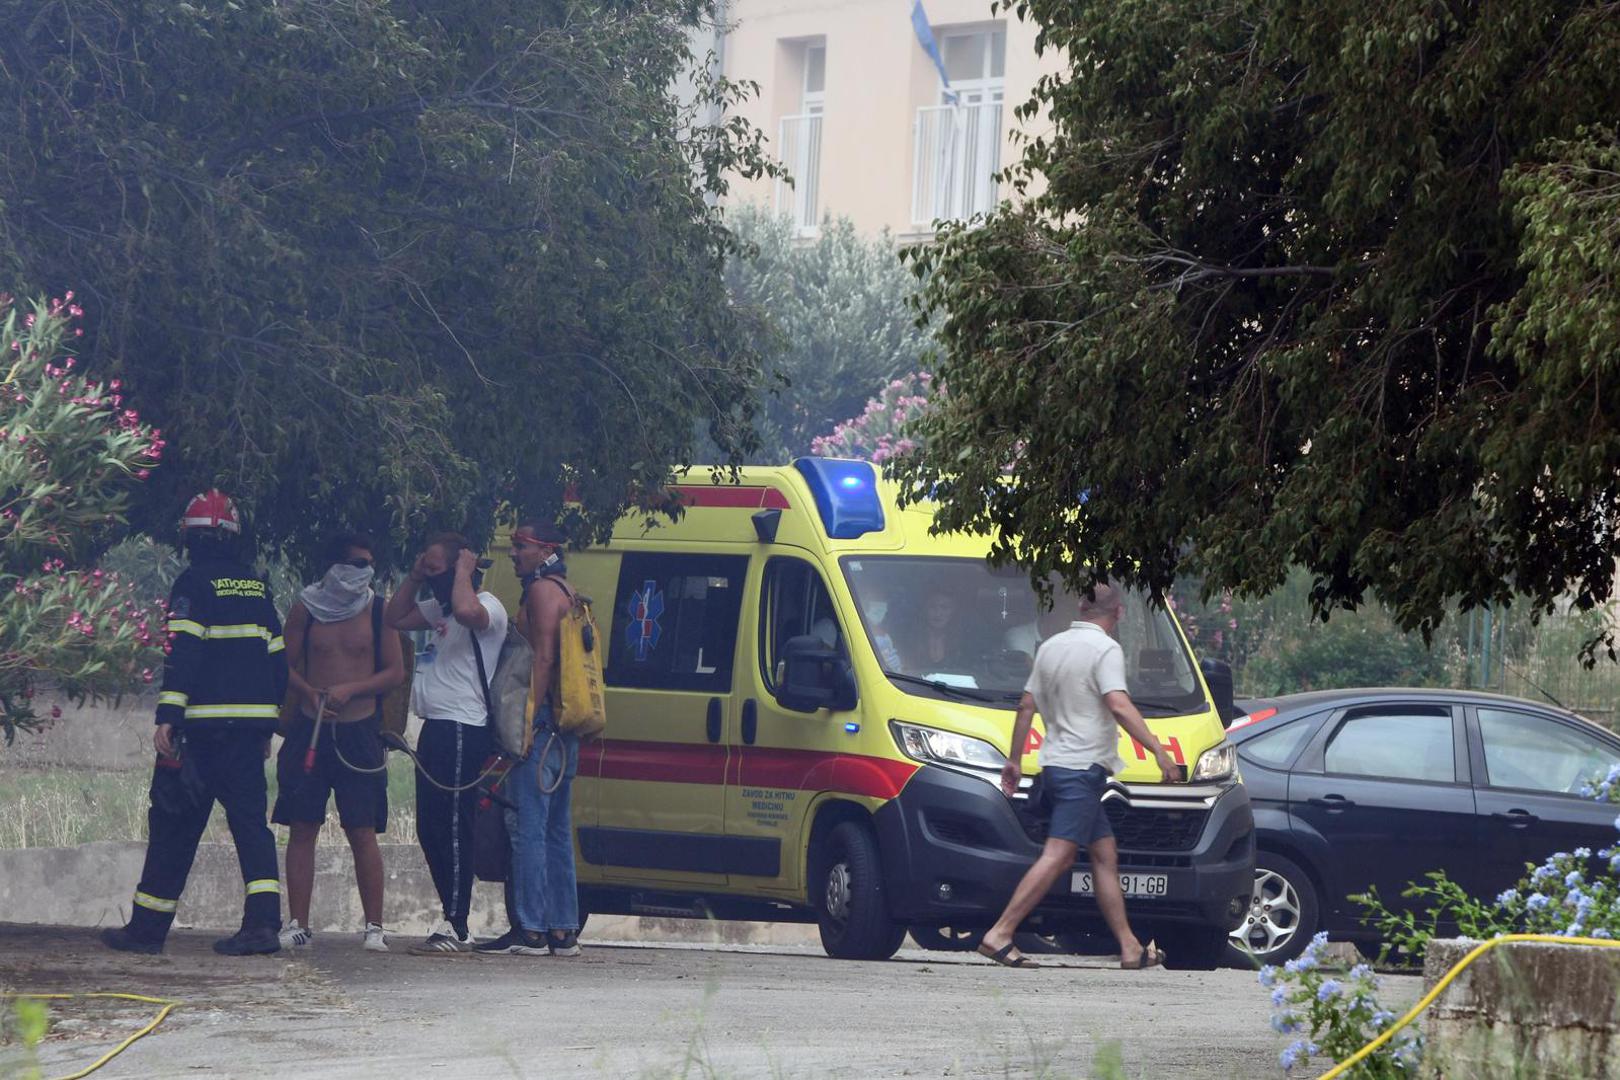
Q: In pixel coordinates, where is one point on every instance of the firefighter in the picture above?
(223, 684)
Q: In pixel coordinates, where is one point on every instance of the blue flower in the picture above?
(1360, 971)
(1547, 871)
(1328, 990)
(1507, 897)
(1382, 1019)
(1279, 997)
(1408, 1054)
(1582, 853)
(1536, 902)
(1573, 878)
(1285, 1023)
(1268, 976)
(1298, 1051)
(1600, 932)
(1305, 961)
(1614, 775)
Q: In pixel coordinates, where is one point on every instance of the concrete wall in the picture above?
(90, 885)
(1524, 1010)
(107, 735)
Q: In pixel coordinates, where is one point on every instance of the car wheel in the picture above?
(850, 908)
(1192, 948)
(946, 938)
(1283, 914)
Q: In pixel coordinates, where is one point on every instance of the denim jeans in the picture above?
(541, 827)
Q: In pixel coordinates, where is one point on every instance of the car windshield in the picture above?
(960, 629)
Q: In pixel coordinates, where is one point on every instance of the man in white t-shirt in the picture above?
(449, 695)
(1078, 687)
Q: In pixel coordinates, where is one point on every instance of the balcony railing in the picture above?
(958, 152)
(800, 147)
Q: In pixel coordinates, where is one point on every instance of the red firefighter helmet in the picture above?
(212, 509)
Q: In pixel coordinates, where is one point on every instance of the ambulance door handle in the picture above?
(714, 719)
(750, 721)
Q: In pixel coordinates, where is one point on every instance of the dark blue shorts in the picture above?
(1075, 798)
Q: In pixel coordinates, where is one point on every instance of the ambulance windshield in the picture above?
(958, 628)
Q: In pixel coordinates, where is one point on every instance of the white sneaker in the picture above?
(376, 941)
(294, 936)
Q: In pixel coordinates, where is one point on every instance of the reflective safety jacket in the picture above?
(227, 665)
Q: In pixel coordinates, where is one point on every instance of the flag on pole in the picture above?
(925, 38)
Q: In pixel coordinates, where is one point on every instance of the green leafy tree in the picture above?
(70, 455)
(1327, 284)
(839, 318)
(388, 263)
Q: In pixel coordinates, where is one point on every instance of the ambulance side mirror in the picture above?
(1218, 674)
(814, 676)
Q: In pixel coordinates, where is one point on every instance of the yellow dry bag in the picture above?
(581, 706)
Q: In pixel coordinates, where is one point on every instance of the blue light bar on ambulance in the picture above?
(846, 495)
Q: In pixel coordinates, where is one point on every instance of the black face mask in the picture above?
(441, 584)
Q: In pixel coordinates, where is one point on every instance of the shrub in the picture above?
(69, 454)
(1340, 1014)
(882, 430)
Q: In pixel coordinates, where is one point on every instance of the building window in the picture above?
(958, 140)
(799, 141)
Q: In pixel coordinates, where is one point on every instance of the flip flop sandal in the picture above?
(1001, 956)
(1152, 957)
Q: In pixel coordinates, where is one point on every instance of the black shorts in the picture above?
(362, 798)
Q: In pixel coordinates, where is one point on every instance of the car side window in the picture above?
(794, 602)
(1398, 744)
(675, 622)
(1277, 748)
(1536, 753)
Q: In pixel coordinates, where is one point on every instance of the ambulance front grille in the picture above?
(1141, 829)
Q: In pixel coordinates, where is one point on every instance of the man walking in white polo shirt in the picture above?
(1078, 687)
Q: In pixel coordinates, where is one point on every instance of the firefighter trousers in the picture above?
(215, 766)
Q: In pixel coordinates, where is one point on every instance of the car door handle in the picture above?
(750, 721)
(1516, 819)
(713, 720)
(1333, 802)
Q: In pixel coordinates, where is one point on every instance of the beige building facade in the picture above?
(859, 112)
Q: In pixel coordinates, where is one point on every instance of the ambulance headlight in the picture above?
(1216, 763)
(946, 747)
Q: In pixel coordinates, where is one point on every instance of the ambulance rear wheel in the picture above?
(848, 895)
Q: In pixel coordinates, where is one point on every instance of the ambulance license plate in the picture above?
(1131, 884)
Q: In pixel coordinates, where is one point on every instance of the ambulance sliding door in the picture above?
(664, 758)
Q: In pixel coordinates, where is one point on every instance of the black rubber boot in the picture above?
(257, 941)
(119, 937)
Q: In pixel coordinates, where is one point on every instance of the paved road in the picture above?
(642, 1011)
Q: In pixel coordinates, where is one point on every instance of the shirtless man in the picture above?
(332, 653)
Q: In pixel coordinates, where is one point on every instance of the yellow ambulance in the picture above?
(810, 700)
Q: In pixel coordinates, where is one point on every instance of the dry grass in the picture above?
(58, 807)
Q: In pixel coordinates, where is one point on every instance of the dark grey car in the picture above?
(1360, 788)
